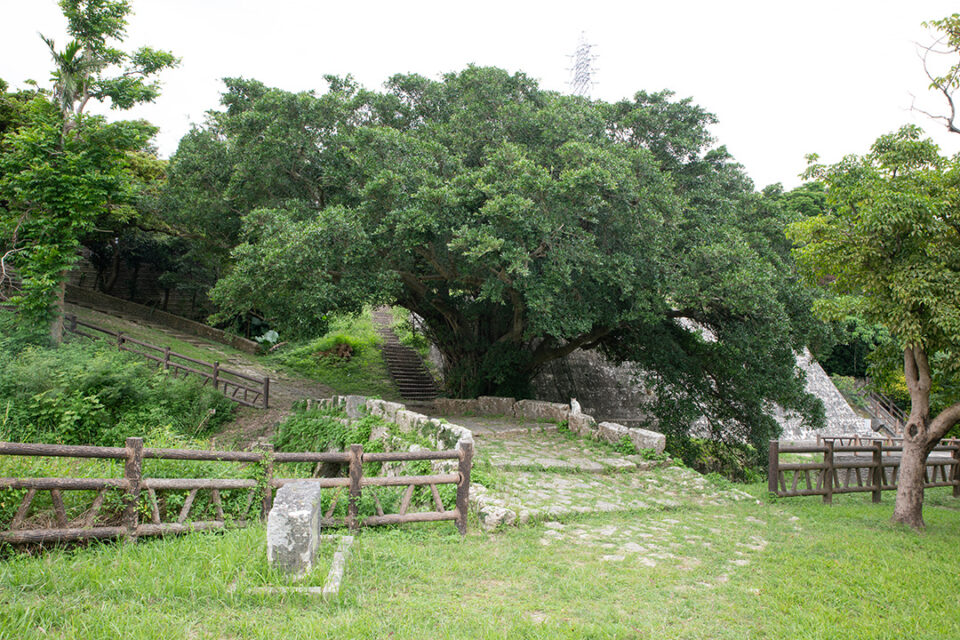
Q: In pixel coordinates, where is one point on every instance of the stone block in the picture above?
(612, 432)
(407, 420)
(354, 406)
(644, 439)
(493, 517)
(456, 406)
(375, 407)
(540, 410)
(390, 410)
(293, 528)
(582, 424)
(494, 406)
(641, 438)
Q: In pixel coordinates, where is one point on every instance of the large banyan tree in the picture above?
(520, 225)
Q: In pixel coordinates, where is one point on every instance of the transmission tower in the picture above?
(583, 71)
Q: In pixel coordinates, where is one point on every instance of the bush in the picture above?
(734, 461)
(86, 392)
(347, 358)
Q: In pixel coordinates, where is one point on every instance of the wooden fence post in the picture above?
(356, 474)
(166, 358)
(73, 323)
(133, 474)
(120, 341)
(956, 468)
(463, 487)
(828, 479)
(266, 393)
(878, 474)
(216, 375)
(267, 461)
(773, 467)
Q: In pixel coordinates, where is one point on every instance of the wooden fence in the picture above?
(230, 383)
(133, 484)
(849, 465)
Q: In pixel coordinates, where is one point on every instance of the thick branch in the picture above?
(544, 353)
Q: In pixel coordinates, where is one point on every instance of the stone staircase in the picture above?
(405, 365)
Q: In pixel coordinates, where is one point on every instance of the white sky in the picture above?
(784, 78)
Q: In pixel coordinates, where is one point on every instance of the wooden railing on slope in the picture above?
(224, 380)
(872, 468)
(133, 484)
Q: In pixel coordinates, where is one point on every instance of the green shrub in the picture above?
(87, 392)
(347, 358)
(734, 461)
(625, 446)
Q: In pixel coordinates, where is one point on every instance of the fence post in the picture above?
(356, 474)
(120, 341)
(133, 474)
(166, 358)
(773, 467)
(878, 474)
(828, 480)
(267, 460)
(266, 393)
(463, 487)
(956, 468)
(73, 323)
(216, 375)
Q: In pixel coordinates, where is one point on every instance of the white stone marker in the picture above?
(293, 527)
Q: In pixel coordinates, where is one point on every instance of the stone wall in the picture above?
(841, 418)
(609, 392)
(141, 284)
(443, 433)
(103, 302)
(617, 394)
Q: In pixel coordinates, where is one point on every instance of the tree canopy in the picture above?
(520, 224)
(64, 172)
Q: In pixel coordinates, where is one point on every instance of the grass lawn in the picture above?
(783, 569)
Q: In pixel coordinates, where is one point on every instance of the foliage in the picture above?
(847, 386)
(408, 334)
(736, 462)
(625, 446)
(520, 224)
(347, 358)
(90, 393)
(318, 430)
(887, 251)
(65, 173)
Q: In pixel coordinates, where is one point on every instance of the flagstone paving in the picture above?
(544, 475)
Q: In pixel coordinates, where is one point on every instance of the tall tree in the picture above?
(64, 170)
(521, 225)
(888, 249)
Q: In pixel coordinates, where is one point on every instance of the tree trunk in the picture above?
(908, 509)
(920, 436)
(56, 325)
(114, 268)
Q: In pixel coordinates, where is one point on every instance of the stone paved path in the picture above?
(543, 475)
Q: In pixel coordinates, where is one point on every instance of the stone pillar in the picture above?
(293, 527)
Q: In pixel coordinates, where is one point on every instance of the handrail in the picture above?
(872, 467)
(133, 485)
(260, 393)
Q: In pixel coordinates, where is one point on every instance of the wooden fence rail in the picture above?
(849, 465)
(256, 391)
(133, 484)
